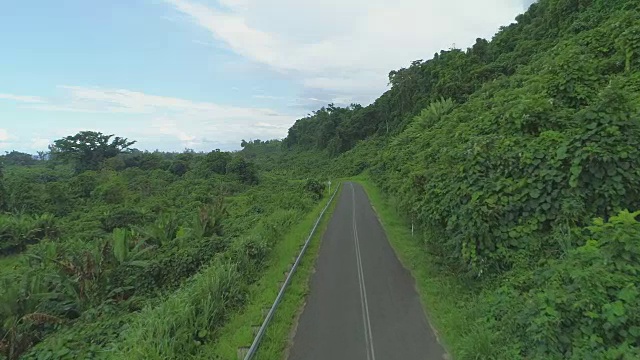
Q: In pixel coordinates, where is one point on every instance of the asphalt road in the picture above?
(362, 302)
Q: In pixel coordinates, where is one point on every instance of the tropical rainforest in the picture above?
(517, 159)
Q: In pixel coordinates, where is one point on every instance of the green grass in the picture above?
(452, 308)
(238, 331)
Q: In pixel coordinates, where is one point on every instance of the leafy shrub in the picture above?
(112, 192)
(83, 184)
(179, 167)
(174, 263)
(314, 187)
(59, 199)
(583, 306)
(3, 191)
(121, 217)
(16, 232)
(244, 170)
(514, 183)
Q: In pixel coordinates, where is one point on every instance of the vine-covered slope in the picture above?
(519, 159)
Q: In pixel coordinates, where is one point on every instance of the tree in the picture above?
(3, 193)
(244, 170)
(88, 149)
(18, 158)
(43, 155)
(144, 160)
(315, 187)
(179, 167)
(217, 161)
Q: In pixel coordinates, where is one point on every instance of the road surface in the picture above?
(362, 303)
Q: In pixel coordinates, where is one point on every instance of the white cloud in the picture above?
(165, 121)
(268, 97)
(353, 85)
(40, 143)
(235, 4)
(168, 127)
(169, 19)
(20, 98)
(232, 30)
(4, 135)
(346, 47)
(5, 139)
(205, 134)
(73, 108)
(104, 100)
(204, 43)
(271, 126)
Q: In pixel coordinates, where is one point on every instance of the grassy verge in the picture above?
(238, 331)
(451, 307)
(277, 337)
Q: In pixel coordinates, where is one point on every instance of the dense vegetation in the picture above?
(519, 160)
(107, 251)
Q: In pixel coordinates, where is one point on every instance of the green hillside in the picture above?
(519, 161)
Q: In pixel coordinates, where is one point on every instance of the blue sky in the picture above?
(205, 74)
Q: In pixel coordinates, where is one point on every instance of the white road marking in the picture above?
(363, 290)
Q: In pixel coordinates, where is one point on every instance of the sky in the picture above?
(205, 74)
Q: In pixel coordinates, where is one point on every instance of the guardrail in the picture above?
(256, 341)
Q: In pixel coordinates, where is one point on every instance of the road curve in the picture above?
(362, 303)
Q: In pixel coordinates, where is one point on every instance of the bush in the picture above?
(183, 322)
(174, 263)
(112, 192)
(16, 232)
(314, 187)
(584, 306)
(244, 170)
(179, 167)
(121, 217)
(83, 184)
